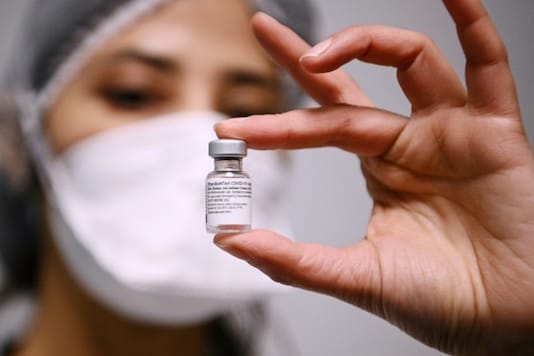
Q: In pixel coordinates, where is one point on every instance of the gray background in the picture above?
(330, 202)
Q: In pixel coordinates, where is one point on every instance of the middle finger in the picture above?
(426, 77)
(286, 48)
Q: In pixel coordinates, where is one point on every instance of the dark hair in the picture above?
(19, 216)
(223, 340)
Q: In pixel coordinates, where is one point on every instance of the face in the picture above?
(189, 55)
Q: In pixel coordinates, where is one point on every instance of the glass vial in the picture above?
(228, 189)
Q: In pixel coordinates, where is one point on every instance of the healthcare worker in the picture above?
(116, 101)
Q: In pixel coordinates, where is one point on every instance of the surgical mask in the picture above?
(127, 212)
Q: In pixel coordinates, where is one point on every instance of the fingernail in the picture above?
(318, 49)
(233, 120)
(237, 119)
(221, 240)
(265, 16)
(224, 242)
(228, 122)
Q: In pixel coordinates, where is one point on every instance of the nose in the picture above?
(198, 94)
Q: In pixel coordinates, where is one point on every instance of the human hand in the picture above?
(449, 251)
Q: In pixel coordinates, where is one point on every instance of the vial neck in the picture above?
(228, 164)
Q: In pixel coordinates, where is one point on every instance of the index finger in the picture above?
(286, 48)
(361, 130)
(489, 79)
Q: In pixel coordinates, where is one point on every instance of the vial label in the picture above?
(228, 201)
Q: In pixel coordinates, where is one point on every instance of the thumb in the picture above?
(351, 274)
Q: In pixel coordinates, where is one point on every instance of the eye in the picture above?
(244, 106)
(249, 111)
(131, 99)
(243, 101)
(242, 113)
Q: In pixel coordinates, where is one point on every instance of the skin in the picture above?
(189, 55)
(448, 253)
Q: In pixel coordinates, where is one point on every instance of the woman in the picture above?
(116, 103)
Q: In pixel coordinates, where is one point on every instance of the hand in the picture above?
(449, 250)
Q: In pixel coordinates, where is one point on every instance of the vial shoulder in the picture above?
(228, 175)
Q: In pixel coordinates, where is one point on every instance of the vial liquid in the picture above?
(228, 189)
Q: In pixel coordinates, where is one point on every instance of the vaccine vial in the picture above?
(228, 189)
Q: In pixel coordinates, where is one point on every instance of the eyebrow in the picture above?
(157, 62)
(232, 77)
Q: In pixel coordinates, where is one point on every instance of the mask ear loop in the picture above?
(41, 157)
(30, 122)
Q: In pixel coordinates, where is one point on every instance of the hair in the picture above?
(19, 216)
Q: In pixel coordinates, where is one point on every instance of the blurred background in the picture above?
(329, 201)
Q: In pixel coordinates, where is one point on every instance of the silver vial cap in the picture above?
(227, 148)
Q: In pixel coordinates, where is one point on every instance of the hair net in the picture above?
(61, 34)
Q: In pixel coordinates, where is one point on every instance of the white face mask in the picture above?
(127, 212)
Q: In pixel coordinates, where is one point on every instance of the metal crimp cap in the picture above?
(227, 148)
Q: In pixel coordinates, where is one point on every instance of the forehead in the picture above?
(202, 31)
